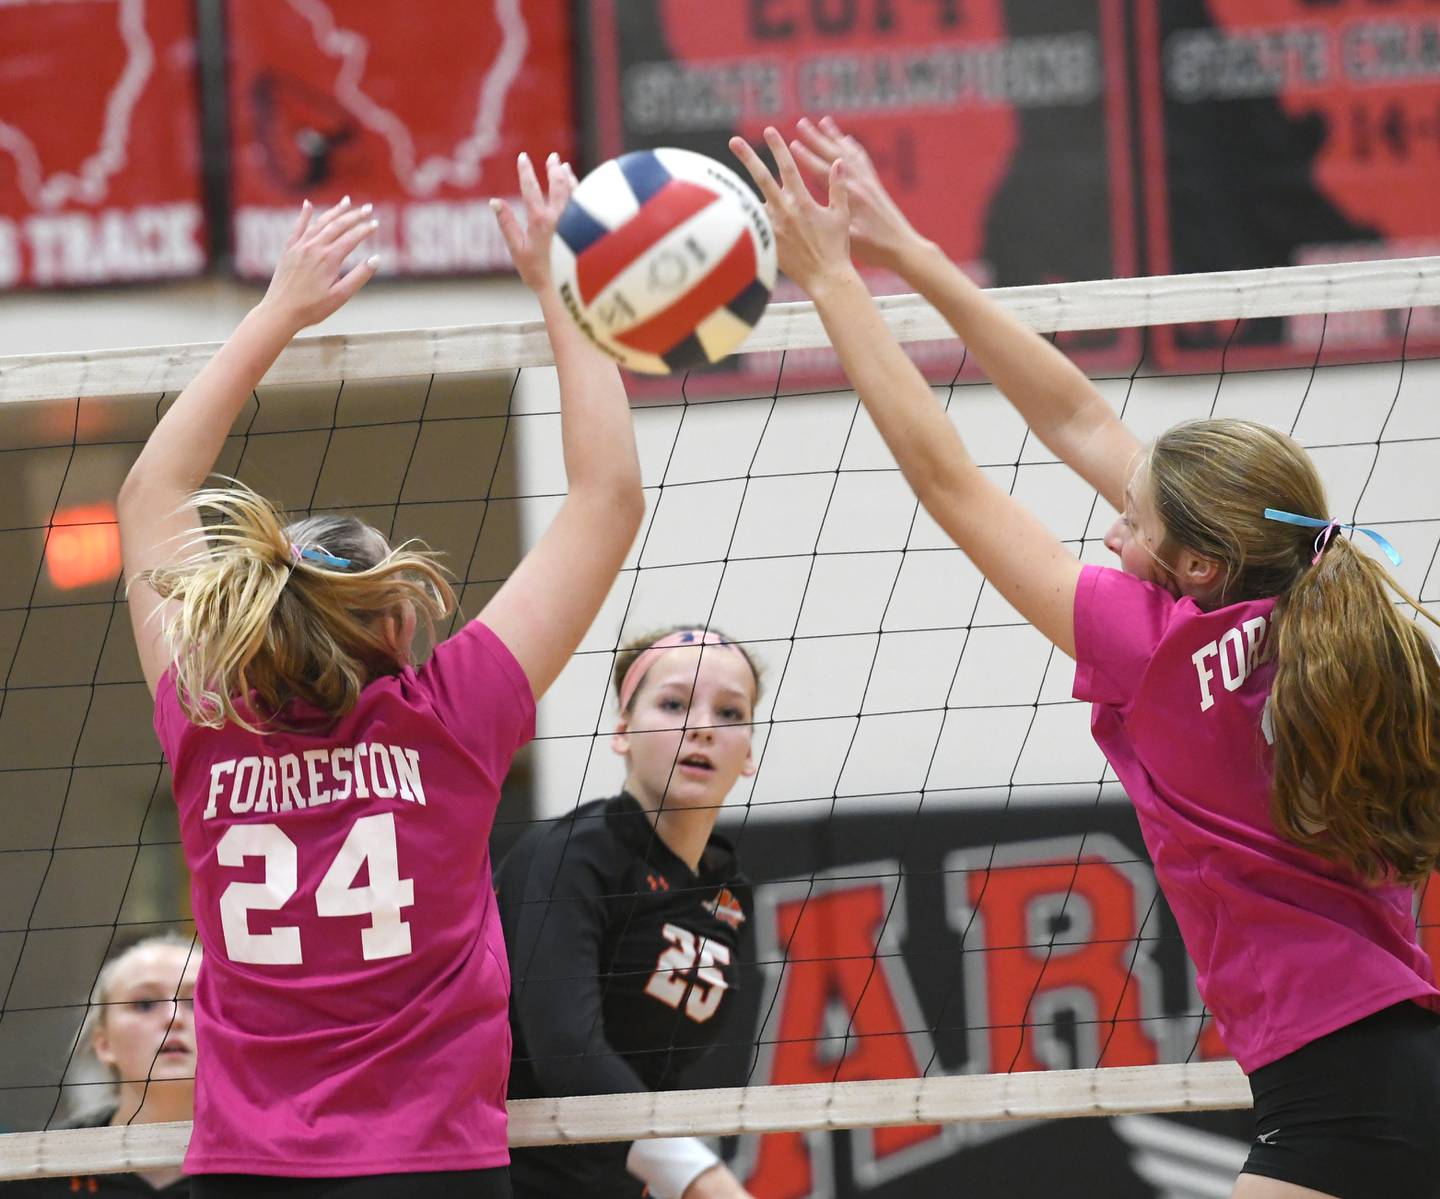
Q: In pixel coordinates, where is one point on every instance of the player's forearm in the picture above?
(596, 429)
(1053, 395)
(569, 1054)
(925, 444)
(186, 444)
(556, 999)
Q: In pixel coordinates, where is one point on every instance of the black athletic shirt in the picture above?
(624, 967)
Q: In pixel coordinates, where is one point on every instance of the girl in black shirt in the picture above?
(624, 922)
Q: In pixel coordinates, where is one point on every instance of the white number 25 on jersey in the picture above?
(371, 841)
(671, 980)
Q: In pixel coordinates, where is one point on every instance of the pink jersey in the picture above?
(351, 1010)
(1287, 946)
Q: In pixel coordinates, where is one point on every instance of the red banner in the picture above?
(1286, 132)
(99, 143)
(419, 108)
(979, 116)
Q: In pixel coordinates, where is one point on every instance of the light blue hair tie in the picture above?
(311, 554)
(1327, 530)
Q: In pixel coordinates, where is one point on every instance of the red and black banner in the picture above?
(1000, 126)
(418, 108)
(1287, 132)
(99, 143)
(955, 938)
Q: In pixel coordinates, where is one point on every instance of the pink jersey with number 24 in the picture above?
(1287, 946)
(351, 1010)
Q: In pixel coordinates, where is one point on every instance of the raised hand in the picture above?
(879, 231)
(811, 238)
(530, 244)
(307, 285)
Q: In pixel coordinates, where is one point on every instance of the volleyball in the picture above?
(665, 259)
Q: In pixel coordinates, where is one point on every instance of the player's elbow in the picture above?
(134, 498)
(618, 502)
(629, 506)
(941, 481)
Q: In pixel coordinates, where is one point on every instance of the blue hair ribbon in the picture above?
(310, 554)
(1327, 530)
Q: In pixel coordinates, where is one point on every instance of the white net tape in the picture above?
(725, 1111)
(1051, 308)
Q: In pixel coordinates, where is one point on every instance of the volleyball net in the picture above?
(956, 923)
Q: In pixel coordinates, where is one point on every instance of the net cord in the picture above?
(1047, 308)
(1041, 1095)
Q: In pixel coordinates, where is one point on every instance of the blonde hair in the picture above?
(92, 1088)
(256, 623)
(634, 648)
(1355, 703)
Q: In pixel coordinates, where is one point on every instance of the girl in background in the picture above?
(1274, 717)
(134, 1062)
(335, 800)
(625, 921)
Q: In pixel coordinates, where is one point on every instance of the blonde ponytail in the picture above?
(265, 613)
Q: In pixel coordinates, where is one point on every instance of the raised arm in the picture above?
(156, 525)
(550, 599)
(1014, 550)
(1057, 401)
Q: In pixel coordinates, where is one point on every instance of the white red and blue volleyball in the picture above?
(665, 259)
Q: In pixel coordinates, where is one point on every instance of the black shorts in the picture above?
(449, 1184)
(1355, 1114)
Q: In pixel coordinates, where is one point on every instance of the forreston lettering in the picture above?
(1236, 654)
(264, 784)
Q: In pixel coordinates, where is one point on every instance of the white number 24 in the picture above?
(370, 840)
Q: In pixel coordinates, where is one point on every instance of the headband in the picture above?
(646, 658)
(1328, 529)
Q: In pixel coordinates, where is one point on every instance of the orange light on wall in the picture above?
(83, 547)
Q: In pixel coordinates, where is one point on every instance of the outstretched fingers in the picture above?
(355, 278)
(333, 211)
(830, 142)
(530, 190)
(324, 220)
(509, 223)
(757, 169)
(817, 166)
(785, 161)
(529, 239)
(839, 195)
(341, 230)
(817, 140)
(307, 210)
(559, 178)
(353, 235)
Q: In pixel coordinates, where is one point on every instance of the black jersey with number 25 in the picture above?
(624, 964)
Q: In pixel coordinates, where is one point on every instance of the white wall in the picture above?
(208, 309)
(888, 666)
